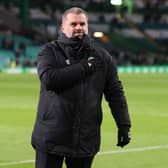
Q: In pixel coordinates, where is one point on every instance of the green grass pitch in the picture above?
(147, 96)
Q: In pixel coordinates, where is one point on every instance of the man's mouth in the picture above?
(79, 34)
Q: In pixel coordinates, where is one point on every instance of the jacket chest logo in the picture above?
(67, 61)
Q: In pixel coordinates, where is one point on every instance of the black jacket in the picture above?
(69, 111)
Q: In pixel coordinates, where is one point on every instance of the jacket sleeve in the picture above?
(114, 94)
(53, 77)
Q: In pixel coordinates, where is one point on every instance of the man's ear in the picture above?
(62, 28)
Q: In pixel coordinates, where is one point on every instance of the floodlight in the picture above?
(116, 2)
(98, 34)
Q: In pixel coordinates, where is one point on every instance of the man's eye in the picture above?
(82, 24)
(73, 24)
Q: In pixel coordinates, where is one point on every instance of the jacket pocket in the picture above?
(57, 135)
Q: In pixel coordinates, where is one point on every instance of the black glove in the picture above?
(124, 136)
(92, 64)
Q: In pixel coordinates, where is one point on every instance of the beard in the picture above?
(78, 34)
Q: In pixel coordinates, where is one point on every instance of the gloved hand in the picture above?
(92, 64)
(124, 136)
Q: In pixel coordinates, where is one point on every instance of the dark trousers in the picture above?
(45, 160)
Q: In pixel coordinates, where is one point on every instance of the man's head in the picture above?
(74, 22)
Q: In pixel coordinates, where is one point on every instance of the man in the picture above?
(74, 74)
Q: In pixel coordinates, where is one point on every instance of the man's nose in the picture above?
(78, 26)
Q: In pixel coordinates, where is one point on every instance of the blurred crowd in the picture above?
(126, 58)
(45, 23)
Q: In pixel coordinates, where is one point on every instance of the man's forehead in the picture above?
(74, 16)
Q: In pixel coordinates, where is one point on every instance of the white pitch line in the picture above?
(16, 162)
(140, 149)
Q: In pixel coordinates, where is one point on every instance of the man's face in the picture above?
(75, 25)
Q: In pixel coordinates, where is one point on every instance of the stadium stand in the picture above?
(135, 34)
